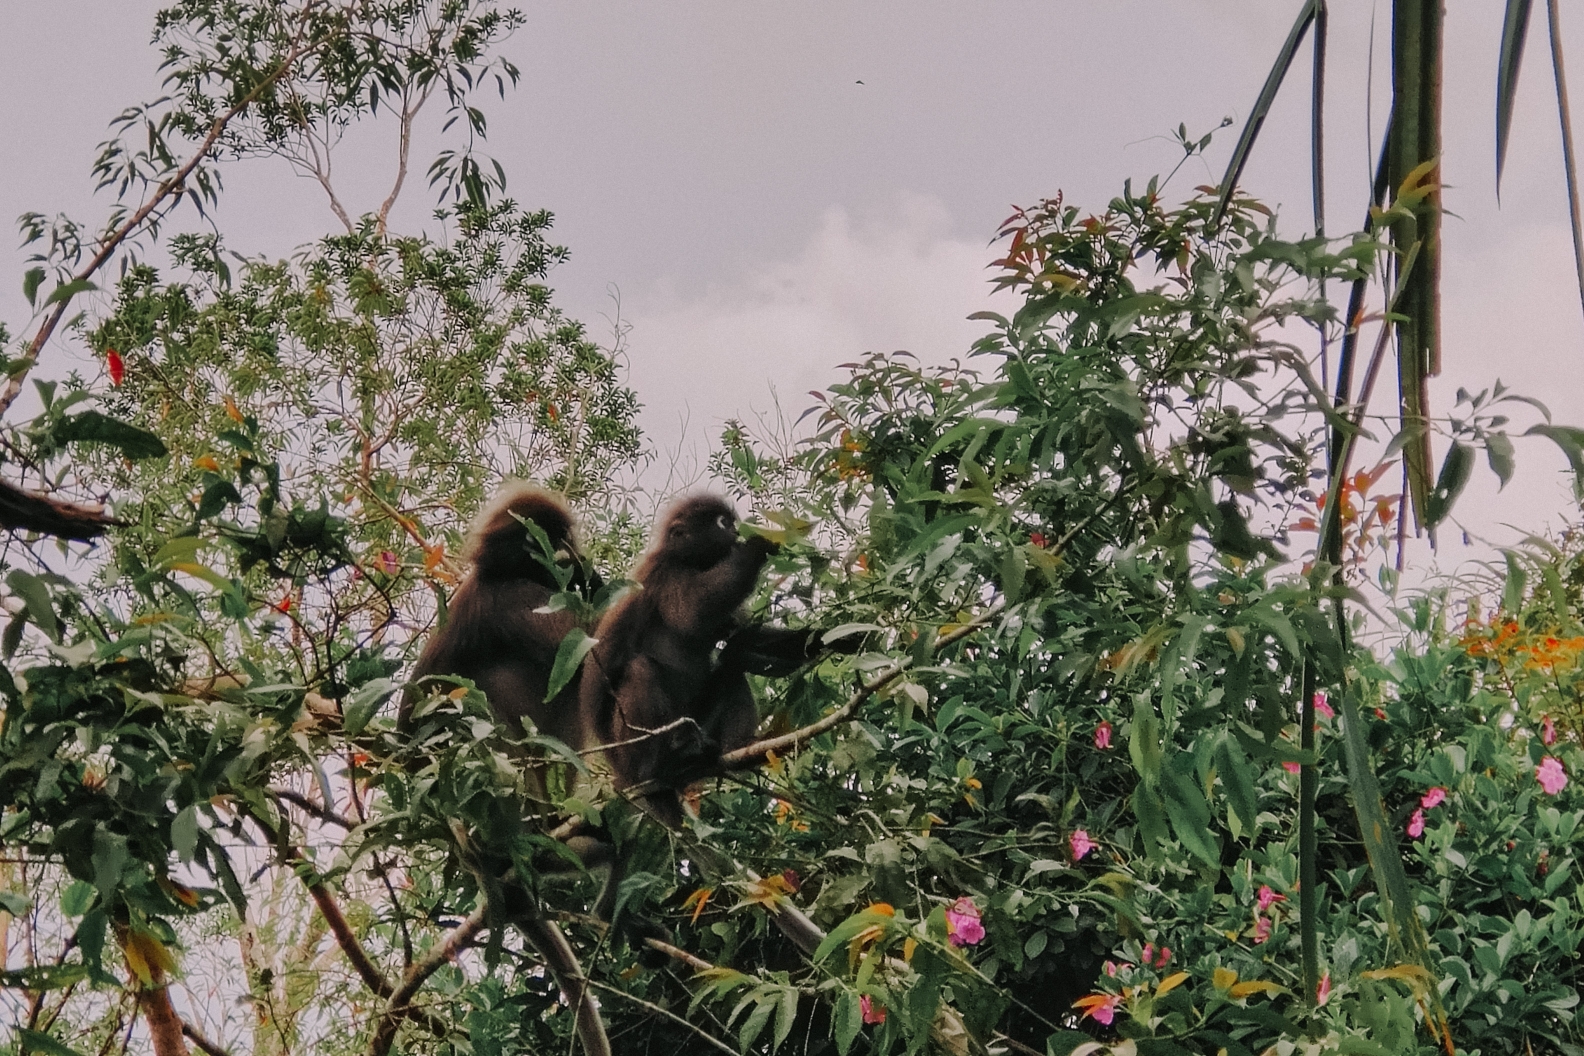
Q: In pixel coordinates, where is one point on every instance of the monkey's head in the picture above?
(697, 532)
(500, 545)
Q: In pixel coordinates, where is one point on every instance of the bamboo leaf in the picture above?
(1263, 103)
(1515, 27)
(1380, 841)
(1569, 155)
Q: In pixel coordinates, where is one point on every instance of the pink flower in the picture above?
(1081, 844)
(1416, 824)
(1323, 991)
(1291, 768)
(1112, 967)
(1547, 730)
(1102, 1008)
(387, 563)
(1433, 798)
(1103, 736)
(1323, 706)
(962, 923)
(1262, 930)
(1267, 898)
(872, 1012)
(1149, 953)
(1551, 775)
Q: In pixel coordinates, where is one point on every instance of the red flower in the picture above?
(1102, 736)
(115, 365)
(873, 1012)
(1038, 539)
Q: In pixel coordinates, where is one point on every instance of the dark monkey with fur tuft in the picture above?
(493, 633)
(653, 689)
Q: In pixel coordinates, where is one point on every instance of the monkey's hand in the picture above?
(765, 649)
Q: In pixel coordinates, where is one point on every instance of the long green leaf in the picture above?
(1322, 20)
(1569, 156)
(1414, 152)
(1515, 27)
(1380, 842)
(1308, 842)
(1262, 105)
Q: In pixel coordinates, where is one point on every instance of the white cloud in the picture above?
(881, 283)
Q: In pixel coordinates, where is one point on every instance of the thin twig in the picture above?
(667, 1013)
(174, 184)
(755, 754)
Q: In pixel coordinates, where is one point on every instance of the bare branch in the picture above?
(196, 1037)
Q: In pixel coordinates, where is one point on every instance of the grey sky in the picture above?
(766, 217)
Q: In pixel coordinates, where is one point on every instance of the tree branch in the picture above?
(438, 955)
(562, 962)
(754, 754)
(197, 1038)
(171, 185)
(29, 511)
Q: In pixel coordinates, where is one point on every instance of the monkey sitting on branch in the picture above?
(654, 691)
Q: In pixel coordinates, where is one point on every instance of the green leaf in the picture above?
(574, 647)
(184, 832)
(36, 596)
(364, 702)
(1499, 453)
(754, 1025)
(786, 1015)
(1515, 27)
(96, 428)
(41, 1042)
(30, 283)
(1263, 103)
(849, 1019)
(67, 290)
(1238, 782)
(1190, 817)
(1571, 440)
(77, 899)
(1455, 471)
(1380, 838)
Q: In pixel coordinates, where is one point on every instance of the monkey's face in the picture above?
(701, 533)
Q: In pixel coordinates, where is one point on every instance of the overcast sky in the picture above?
(765, 216)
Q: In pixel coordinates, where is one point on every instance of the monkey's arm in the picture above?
(767, 649)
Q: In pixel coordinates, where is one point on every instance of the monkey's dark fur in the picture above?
(493, 635)
(655, 662)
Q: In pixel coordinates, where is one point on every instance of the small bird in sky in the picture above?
(857, 82)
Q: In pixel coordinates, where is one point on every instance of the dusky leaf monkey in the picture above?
(653, 688)
(523, 549)
(677, 648)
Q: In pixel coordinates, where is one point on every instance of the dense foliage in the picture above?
(1111, 684)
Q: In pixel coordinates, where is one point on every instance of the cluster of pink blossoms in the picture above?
(1429, 801)
(963, 927)
(1264, 899)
